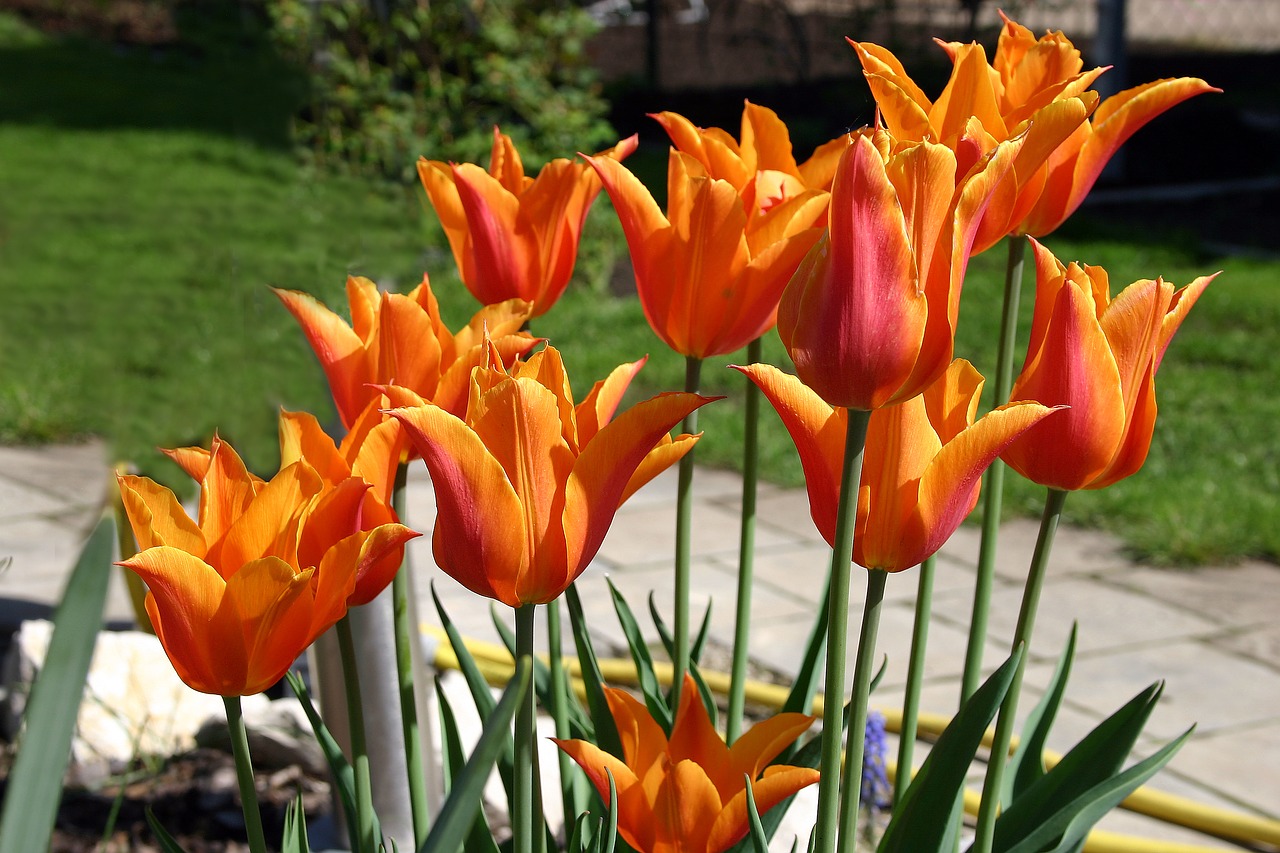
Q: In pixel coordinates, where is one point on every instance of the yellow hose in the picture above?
(495, 663)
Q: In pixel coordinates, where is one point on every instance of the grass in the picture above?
(142, 222)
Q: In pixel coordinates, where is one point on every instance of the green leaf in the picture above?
(759, 840)
(35, 781)
(457, 815)
(918, 822)
(654, 698)
(611, 819)
(344, 777)
(605, 730)
(1027, 764)
(1063, 831)
(805, 686)
(542, 678)
(163, 838)
(1096, 758)
(295, 828)
(480, 837)
(668, 642)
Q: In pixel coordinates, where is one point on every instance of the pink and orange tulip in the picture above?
(527, 483)
(268, 566)
(914, 495)
(400, 339)
(869, 318)
(709, 273)
(513, 236)
(1099, 356)
(687, 793)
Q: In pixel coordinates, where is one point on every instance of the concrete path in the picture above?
(1211, 633)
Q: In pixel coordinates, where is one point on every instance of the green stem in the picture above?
(359, 750)
(525, 742)
(746, 549)
(915, 677)
(244, 775)
(837, 636)
(570, 779)
(994, 781)
(404, 677)
(993, 488)
(684, 542)
(857, 734)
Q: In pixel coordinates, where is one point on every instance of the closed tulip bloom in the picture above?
(528, 483)
(400, 339)
(687, 793)
(1099, 356)
(764, 147)
(709, 273)
(268, 566)
(925, 480)
(869, 318)
(514, 236)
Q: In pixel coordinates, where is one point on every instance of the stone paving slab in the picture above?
(1210, 633)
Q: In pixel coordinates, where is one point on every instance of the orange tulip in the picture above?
(710, 272)
(914, 494)
(1099, 356)
(687, 793)
(869, 318)
(512, 236)
(1035, 85)
(527, 485)
(762, 158)
(400, 339)
(236, 596)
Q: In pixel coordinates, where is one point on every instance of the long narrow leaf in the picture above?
(295, 828)
(35, 782)
(606, 731)
(1096, 758)
(168, 844)
(805, 686)
(1026, 766)
(480, 838)
(1065, 830)
(458, 812)
(708, 697)
(611, 820)
(654, 698)
(759, 841)
(918, 823)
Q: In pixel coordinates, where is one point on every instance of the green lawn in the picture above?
(142, 222)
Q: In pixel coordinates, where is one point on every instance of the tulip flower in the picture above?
(869, 318)
(687, 793)
(709, 273)
(1099, 356)
(914, 494)
(268, 566)
(1033, 85)
(513, 236)
(763, 152)
(400, 339)
(528, 483)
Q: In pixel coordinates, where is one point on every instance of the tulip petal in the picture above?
(339, 349)
(777, 784)
(501, 260)
(693, 738)
(762, 743)
(598, 407)
(668, 452)
(268, 525)
(685, 809)
(157, 518)
(270, 602)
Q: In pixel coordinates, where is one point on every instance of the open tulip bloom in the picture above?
(400, 339)
(514, 236)
(916, 490)
(869, 318)
(709, 273)
(527, 483)
(687, 793)
(1099, 356)
(236, 596)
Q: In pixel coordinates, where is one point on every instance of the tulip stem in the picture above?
(994, 781)
(402, 624)
(523, 771)
(857, 734)
(915, 677)
(837, 633)
(746, 549)
(244, 774)
(684, 531)
(359, 751)
(993, 488)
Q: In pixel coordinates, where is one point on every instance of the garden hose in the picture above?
(495, 663)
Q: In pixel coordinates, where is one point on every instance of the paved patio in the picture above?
(1211, 633)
